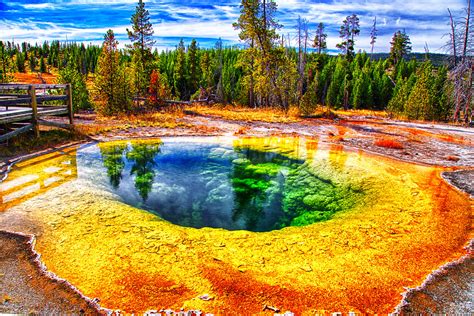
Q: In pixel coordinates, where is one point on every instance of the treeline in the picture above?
(267, 71)
(194, 73)
(73, 63)
(43, 58)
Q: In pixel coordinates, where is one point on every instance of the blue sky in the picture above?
(425, 21)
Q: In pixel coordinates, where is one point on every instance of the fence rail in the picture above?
(24, 107)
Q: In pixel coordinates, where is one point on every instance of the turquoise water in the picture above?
(205, 184)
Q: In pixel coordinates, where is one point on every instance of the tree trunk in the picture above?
(305, 52)
(300, 59)
(251, 93)
(466, 32)
(453, 37)
(265, 21)
(468, 107)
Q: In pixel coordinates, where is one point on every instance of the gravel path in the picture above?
(25, 288)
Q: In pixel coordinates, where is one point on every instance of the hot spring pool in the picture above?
(208, 184)
(286, 222)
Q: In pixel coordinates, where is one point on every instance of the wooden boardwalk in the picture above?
(24, 107)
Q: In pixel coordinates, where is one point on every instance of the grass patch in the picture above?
(236, 113)
(382, 114)
(105, 124)
(322, 113)
(155, 119)
(97, 128)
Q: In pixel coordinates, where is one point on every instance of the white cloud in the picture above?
(423, 20)
(214, 29)
(39, 6)
(46, 31)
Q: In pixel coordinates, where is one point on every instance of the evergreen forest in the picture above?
(264, 71)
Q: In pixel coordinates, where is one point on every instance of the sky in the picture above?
(425, 21)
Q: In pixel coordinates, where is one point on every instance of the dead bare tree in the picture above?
(373, 37)
(467, 32)
(452, 38)
(302, 35)
(461, 40)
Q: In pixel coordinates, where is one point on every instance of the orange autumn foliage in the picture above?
(388, 143)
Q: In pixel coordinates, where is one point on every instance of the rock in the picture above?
(205, 297)
(168, 312)
(306, 268)
(271, 308)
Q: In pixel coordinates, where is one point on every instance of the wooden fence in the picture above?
(24, 107)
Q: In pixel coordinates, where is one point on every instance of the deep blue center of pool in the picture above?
(199, 185)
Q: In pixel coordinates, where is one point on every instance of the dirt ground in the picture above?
(27, 289)
(23, 283)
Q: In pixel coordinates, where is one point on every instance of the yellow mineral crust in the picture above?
(407, 223)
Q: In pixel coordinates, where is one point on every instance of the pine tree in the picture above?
(33, 63)
(141, 36)
(71, 75)
(442, 89)
(20, 62)
(308, 102)
(180, 88)
(286, 80)
(400, 46)
(110, 82)
(258, 28)
(358, 90)
(324, 80)
(5, 67)
(42, 65)
(397, 104)
(349, 30)
(421, 101)
(193, 64)
(206, 70)
(386, 91)
(320, 39)
(336, 89)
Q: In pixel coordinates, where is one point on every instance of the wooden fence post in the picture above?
(34, 108)
(69, 103)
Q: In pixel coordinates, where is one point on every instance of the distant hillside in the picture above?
(436, 59)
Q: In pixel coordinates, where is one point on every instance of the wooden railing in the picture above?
(26, 105)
